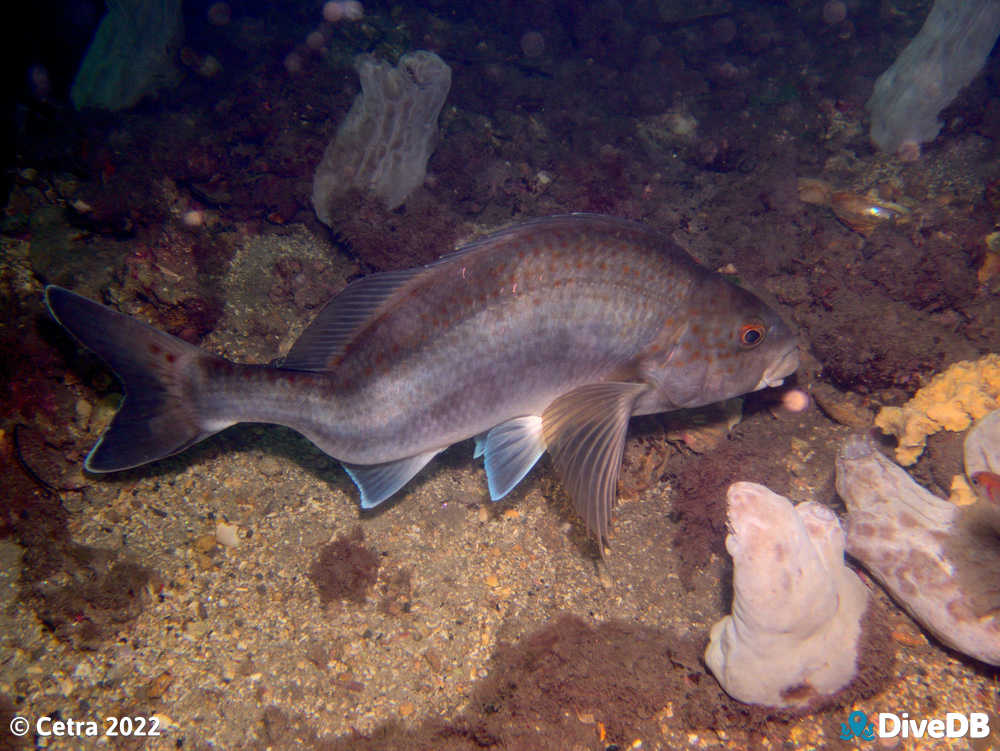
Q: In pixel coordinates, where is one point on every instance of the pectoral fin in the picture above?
(585, 433)
(379, 481)
(511, 450)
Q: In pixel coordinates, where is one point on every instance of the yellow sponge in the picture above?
(953, 400)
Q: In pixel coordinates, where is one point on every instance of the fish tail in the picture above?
(159, 372)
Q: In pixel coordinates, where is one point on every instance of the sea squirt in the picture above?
(796, 621)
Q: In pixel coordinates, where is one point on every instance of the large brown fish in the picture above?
(547, 335)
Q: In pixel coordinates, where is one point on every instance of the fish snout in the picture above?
(785, 364)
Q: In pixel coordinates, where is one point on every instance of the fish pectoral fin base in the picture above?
(511, 450)
(585, 432)
(378, 482)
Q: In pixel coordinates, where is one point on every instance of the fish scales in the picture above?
(546, 336)
(497, 332)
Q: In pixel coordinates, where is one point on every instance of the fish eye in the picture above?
(751, 334)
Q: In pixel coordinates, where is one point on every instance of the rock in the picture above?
(83, 411)
(205, 543)
(269, 466)
(845, 408)
(796, 621)
(227, 535)
(941, 562)
(705, 428)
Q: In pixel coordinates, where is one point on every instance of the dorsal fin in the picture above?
(343, 318)
(326, 338)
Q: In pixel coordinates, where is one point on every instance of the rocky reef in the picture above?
(940, 561)
(383, 144)
(794, 631)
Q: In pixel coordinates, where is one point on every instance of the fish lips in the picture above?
(786, 364)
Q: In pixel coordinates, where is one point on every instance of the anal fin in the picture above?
(511, 450)
(480, 447)
(585, 433)
(377, 482)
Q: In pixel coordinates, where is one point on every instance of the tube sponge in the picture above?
(796, 621)
(389, 133)
(939, 561)
(944, 57)
(131, 55)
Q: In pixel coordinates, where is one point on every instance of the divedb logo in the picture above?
(892, 725)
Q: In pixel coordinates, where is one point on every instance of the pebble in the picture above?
(197, 629)
(433, 659)
(269, 466)
(604, 577)
(318, 653)
(159, 685)
(84, 409)
(84, 671)
(228, 671)
(492, 581)
(205, 543)
(406, 709)
(845, 408)
(227, 535)
(908, 637)
(166, 721)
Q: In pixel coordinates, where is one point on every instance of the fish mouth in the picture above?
(781, 368)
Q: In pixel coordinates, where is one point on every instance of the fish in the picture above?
(988, 484)
(548, 335)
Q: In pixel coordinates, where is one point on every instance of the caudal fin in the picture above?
(158, 416)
